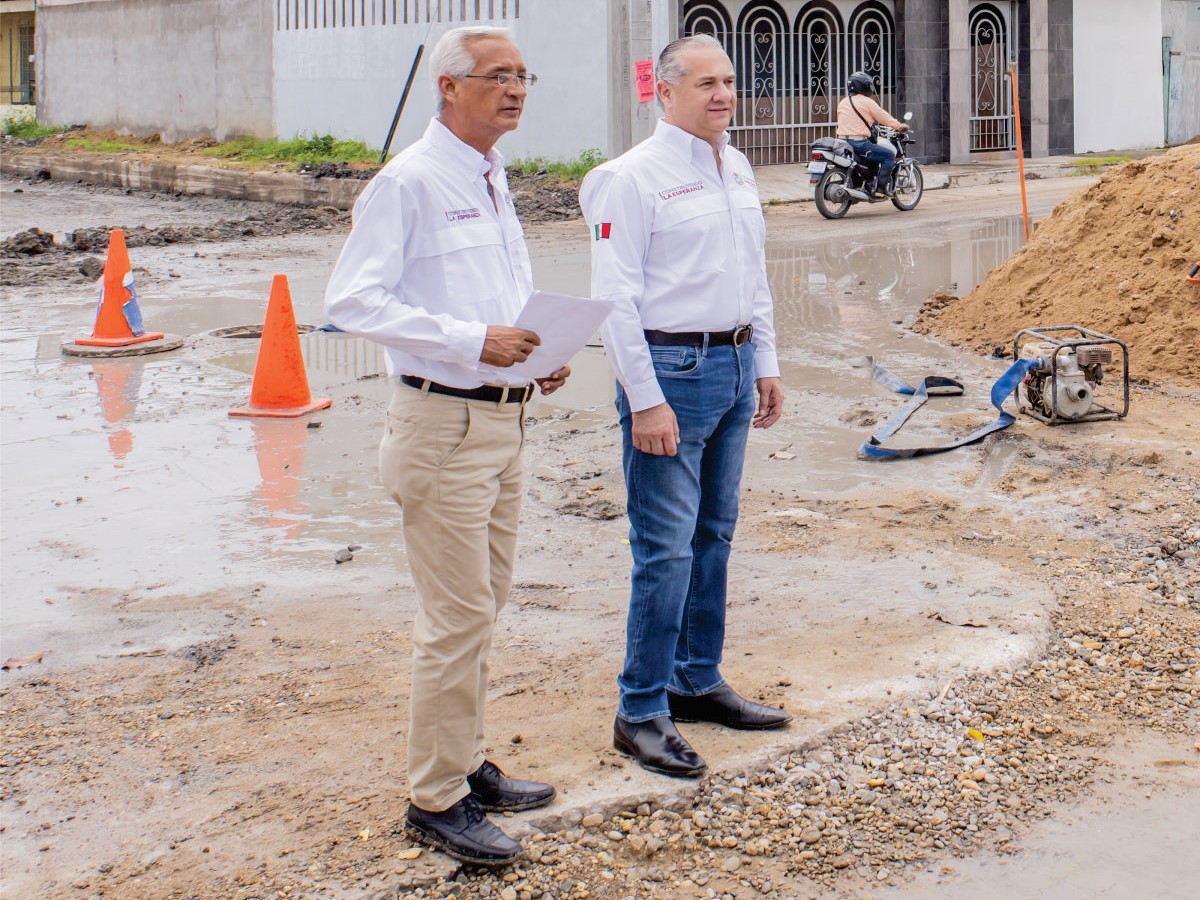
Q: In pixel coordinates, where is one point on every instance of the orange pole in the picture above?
(1012, 71)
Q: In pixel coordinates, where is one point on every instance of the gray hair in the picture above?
(670, 67)
(451, 55)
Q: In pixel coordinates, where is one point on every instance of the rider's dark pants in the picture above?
(876, 153)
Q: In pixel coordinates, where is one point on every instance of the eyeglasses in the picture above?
(508, 79)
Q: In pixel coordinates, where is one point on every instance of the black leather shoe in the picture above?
(725, 706)
(496, 792)
(658, 746)
(463, 832)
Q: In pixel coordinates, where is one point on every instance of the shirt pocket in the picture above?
(747, 212)
(468, 255)
(689, 231)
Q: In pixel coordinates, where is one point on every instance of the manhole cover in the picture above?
(253, 331)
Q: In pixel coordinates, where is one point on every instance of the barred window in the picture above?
(293, 15)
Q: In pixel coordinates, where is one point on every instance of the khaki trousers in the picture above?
(455, 468)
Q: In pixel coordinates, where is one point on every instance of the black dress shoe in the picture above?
(658, 746)
(725, 706)
(496, 792)
(464, 832)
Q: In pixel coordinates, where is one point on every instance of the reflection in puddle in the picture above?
(334, 359)
(280, 446)
(843, 289)
(118, 384)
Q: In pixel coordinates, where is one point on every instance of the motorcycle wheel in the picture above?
(832, 182)
(910, 184)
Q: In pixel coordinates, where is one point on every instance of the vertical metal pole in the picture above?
(1012, 70)
(400, 106)
(1166, 63)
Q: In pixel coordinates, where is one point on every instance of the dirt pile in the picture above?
(1114, 259)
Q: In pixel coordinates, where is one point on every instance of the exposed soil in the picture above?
(33, 256)
(246, 741)
(1113, 261)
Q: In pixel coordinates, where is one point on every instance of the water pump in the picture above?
(1065, 385)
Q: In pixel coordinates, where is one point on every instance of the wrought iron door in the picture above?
(990, 26)
(792, 61)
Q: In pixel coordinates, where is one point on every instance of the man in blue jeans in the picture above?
(855, 115)
(678, 250)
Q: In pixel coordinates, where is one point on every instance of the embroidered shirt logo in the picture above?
(603, 231)
(457, 215)
(745, 182)
(680, 190)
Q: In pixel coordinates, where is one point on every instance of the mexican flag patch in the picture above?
(603, 230)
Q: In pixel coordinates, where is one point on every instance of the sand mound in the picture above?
(1113, 258)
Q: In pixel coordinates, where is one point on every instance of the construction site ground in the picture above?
(993, 655)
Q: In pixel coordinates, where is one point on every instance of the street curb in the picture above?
(778, 186)
(290, 188)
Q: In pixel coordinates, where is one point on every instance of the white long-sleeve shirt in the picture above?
(431, 262)
(677, 246)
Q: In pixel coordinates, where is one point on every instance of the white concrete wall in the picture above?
(347, 81)
(174, 68)
(1118, 74)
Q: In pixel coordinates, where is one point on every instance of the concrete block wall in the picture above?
(176, 68)
(922, 40)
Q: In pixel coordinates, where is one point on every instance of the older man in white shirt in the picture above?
(679, 250)
(436, 269)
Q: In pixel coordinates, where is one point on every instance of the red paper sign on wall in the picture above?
(643, 76)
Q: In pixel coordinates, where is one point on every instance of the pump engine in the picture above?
(1064, 384)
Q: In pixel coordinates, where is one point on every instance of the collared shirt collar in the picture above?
(685, 143)
(462, 155)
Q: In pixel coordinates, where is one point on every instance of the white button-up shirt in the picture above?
(677, 246)
(431, 262)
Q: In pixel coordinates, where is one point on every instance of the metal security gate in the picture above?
(992, 128)
(792, 62)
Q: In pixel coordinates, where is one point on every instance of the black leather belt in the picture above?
(736, 337)
(488, 392)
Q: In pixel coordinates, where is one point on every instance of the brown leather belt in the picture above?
(488, 392)
(736, 337)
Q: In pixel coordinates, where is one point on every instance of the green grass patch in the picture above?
(27, 129)
(568, 170)
(299, 150)
(1098, 164)
(103, 145)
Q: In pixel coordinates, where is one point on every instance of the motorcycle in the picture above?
(841, 175)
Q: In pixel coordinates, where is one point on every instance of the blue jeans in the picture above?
(875, 153)
(682, 512)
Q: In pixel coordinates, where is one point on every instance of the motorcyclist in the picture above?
(855, 115)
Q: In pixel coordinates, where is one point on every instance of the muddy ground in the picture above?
(993, 655)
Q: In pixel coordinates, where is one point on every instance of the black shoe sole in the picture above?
(737, 727)
(438, 843)
(514, 807)
(627, 750)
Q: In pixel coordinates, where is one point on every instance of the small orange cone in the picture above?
(280, 387)
(119, 318)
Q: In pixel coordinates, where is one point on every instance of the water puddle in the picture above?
(129, 471)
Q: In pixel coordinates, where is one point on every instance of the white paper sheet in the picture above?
(564, 323)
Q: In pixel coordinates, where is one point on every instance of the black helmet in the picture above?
(861, 83)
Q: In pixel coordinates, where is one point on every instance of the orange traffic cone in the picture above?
(119, 318)
(280, 387)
